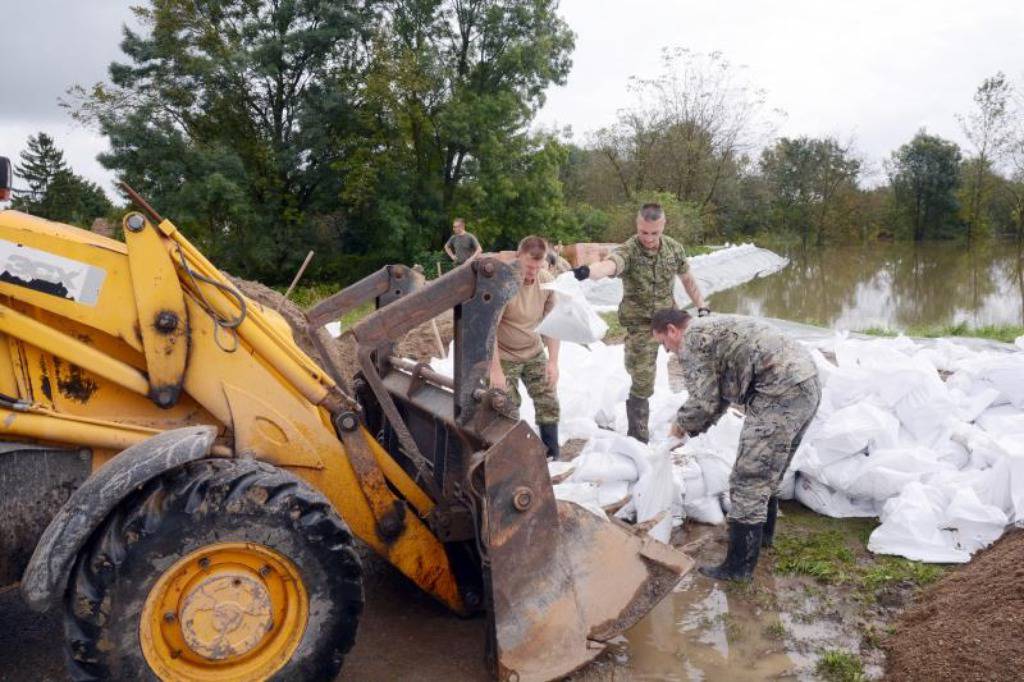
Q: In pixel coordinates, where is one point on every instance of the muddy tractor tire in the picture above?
(220, 570)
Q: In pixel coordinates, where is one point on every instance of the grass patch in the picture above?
(1005, 333)
(835, 551)
(839, 666)
(822, 555)
(892, 570)
(308, 295)
(775, 630)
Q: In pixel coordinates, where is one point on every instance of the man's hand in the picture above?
(582, 272)
(703, 311)
(552, 374)
(497, 379)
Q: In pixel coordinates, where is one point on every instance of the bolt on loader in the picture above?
(183, 483)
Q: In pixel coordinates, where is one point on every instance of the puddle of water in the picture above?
(701, 632)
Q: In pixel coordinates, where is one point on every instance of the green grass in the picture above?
(1005, 333)
(890, 570)
(822, 555)
(307, 295)
(775, 630)
(839, 666)
(834, 551)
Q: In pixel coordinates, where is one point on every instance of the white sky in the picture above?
(873, 70)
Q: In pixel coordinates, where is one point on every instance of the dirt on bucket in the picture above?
(968, 625)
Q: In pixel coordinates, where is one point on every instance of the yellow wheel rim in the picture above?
(228, 611)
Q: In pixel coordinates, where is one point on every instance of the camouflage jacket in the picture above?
(648, 278)
(728, 358)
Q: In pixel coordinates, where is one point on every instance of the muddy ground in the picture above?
(779, 627)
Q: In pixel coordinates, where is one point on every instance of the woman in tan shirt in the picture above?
(519, 352)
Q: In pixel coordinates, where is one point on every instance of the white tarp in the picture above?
(717, 271)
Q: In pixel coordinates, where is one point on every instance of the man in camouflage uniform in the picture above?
(519, 349)
(648, 264)
(732, 359)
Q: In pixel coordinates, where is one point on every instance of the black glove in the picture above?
(703, 312)
(582, 272)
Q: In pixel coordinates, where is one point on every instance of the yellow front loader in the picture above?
(183, 482)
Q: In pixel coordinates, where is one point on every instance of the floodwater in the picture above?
(706, 630)
(893, 286)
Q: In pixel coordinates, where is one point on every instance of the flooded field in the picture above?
(893, 286)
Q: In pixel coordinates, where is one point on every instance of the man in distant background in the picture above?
(648, 264)
(461, 246)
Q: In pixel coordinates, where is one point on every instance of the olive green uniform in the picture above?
(732, 359)
(648, 282)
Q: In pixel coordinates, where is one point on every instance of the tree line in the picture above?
(266, 128)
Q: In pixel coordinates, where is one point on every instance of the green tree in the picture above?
(227, 114)
(989, 130)
(452, 87)
(925, 176)
(811, 182)
(55, 192)
(41, 161)
(687, 132)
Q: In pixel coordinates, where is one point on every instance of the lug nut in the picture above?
(265, 571)
(204, 563)
(169, 617)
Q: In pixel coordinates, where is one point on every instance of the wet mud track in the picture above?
(773, 629)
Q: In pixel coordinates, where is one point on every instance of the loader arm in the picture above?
(555, 580)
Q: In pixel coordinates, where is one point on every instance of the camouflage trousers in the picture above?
(534, 375)
(772, 431)
(641, 360)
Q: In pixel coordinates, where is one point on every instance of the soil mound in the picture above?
(419, 344)
(968, 625)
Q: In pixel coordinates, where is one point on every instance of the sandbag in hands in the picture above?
(572, 319)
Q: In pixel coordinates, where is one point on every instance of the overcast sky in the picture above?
(873, 70)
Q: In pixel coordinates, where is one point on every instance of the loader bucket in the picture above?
(562, 579)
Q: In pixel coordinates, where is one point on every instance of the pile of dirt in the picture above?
(419, 344)
(968, 625)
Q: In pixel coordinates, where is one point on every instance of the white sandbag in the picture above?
(572, 319)
(975, 525)
(856, 428)
(705, 510)
(825, 500)
(885, 473)
(597, 466)
(653, 495)
(911, 528)
(788, 486)
(585, 495)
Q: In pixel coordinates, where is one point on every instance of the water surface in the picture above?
(894, 286)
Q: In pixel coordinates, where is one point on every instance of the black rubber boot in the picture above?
(768, 536)
(637, 415)
(744, 547)
(549, 436)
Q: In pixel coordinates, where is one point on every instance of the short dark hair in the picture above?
(669, 316)
(552, 258)
(650, 212)
(533, 245)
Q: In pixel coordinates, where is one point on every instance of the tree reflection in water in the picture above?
(890, 285)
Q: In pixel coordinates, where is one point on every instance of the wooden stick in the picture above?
(437, 336)
(298, 276)
(438, 268)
